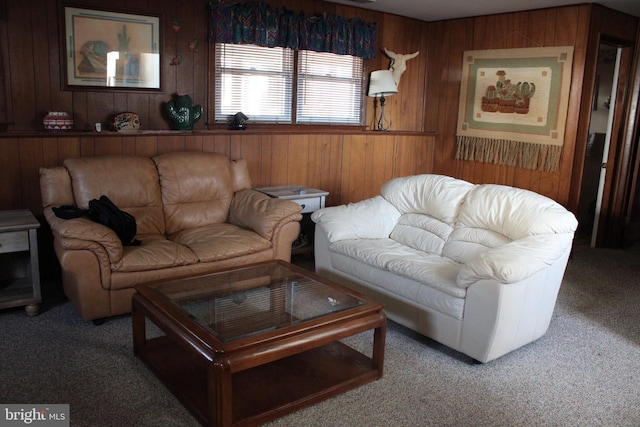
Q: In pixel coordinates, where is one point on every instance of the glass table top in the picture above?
(253, 300)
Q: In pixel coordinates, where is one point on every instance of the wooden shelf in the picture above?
(251, 131)
(16, 292)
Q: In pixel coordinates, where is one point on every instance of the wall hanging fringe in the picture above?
(510, 153)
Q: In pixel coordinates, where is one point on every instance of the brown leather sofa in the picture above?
(195, 213)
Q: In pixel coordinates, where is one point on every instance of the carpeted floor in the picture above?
(584, 372)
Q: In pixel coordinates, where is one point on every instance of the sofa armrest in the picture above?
(372, 218)
(79, 233)
(516, 260)
(261, 213)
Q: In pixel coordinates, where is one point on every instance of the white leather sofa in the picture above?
(474, 267)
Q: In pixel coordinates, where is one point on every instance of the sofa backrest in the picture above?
(197, 188)
(131, 182)
(55, 187)
(428, 205)
(493, 215)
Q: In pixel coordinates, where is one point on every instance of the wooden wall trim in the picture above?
(255, 130)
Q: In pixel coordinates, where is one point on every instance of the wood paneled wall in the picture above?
(350, 166)
(30, 49)
(561, 26)
(423, 114)
(406, 109)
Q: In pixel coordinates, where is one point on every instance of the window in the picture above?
(254, 80)
(259, 81)
(329, 88)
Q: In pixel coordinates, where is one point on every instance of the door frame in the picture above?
(617, 196)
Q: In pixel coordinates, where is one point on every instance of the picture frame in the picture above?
(111, 50)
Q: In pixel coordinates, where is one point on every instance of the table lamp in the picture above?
(381, 84)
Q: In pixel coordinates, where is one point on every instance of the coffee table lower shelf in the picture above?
(264, 392)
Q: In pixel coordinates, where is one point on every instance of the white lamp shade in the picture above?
(381, 83)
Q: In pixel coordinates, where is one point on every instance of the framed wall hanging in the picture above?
(111, 50)
(513, 106)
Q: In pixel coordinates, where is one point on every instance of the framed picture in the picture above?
(111, 50)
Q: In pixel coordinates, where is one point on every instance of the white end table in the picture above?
(311, 199)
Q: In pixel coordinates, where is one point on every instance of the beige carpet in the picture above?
(584, 372)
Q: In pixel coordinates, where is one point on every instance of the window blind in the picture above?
(329, 88)
(254, 80)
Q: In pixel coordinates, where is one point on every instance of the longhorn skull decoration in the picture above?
(398, 63)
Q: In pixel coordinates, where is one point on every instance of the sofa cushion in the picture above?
(55, 186)
(403, 288)
(241, 177)
(422, 232)
(493, 215)
(376, 252)
(155, 252)
(368, 219)
(513, 212)
(131, 182)
(197, 189)
(216, 242)
(435, 195)
(387, 254)
(466, 243)
(437, 272)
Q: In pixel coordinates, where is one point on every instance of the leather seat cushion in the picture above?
(216, 242)
(155, 252)
(403, 288)
(386, 254)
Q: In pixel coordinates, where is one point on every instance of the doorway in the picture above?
(606, 175)
(598, 143)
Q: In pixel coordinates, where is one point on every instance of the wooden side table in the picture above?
(311, 199)
(19, 268)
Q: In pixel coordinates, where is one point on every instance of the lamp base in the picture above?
(383, 123)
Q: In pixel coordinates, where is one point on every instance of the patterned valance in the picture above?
(261, 24)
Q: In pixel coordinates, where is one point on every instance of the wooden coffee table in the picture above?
(250, 344)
